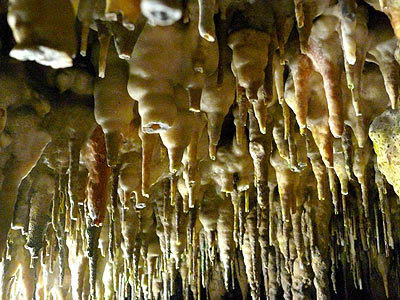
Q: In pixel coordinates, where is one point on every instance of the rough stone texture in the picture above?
(385, 135)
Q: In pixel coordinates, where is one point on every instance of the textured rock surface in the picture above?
(385, 135)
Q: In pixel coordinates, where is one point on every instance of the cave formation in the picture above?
(199, 149)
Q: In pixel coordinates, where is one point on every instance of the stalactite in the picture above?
(92, 233)
(42, 194)
(22, 206)
(99, 174)
(104, 40)
(260, 148)
(219, 153)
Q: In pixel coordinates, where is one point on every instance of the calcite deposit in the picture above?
(199, 149)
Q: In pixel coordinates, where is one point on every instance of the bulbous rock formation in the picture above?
(384, 134)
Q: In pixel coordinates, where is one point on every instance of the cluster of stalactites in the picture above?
(230, 147)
